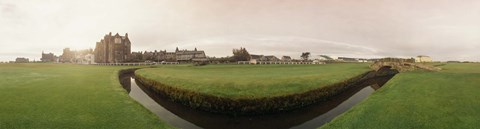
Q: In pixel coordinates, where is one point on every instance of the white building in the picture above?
(317, 61)
(422, 58)
(89, 59)
(85, 59)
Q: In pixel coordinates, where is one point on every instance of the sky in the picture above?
(442, 29)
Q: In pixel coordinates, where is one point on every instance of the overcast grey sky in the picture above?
(443, 29)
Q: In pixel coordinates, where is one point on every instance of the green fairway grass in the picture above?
(253, 81)
(431, 100)
(68, 96)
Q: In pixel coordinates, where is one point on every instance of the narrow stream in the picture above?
(309, 117)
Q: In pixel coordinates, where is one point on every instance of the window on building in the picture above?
(118, 40)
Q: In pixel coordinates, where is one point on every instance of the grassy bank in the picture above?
(68, 96)
(255, 81)
(251, 89)
(446, 99)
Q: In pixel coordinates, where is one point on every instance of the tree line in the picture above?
(243, 55)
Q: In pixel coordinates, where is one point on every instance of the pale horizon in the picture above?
(444, 30)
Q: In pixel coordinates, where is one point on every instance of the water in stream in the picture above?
(308, 117)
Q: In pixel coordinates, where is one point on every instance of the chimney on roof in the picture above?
(110, 34)
(126, 34)
(195, 48)
(176, 50)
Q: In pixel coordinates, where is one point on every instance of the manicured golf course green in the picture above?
(431, 100)
(253, 81)
(68, 96)
(86, 96)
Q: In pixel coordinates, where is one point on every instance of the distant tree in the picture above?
(305, 56)
(241, 54)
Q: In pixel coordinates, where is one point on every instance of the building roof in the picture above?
(423, 56)
(189, 52)
(271, 57)
(252, 56)
(186, 55)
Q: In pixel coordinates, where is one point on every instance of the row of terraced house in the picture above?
(117, 49)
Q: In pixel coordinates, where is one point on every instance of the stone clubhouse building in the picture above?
(112, 49)
(117, 49)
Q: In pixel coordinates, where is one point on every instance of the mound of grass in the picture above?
(68, 96)
(252, 89)
(446, 99)
(253, 81)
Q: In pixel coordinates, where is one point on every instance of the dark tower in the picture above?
(113, 49)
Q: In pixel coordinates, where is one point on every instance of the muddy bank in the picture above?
(265, 105)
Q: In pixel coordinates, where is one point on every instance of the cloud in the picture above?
(7, 8)
(443, 29)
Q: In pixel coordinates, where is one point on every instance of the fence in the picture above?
(136, 64)
(277, 62)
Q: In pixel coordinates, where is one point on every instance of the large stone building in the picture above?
(190, 55)
(67, 56)
(113, 49)
(183, 56)
(48, 57)
(21, 60)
